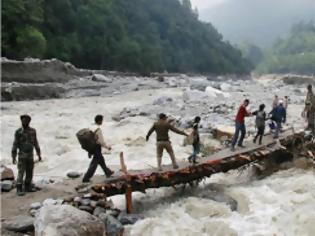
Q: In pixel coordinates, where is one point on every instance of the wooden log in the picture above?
(140, 181)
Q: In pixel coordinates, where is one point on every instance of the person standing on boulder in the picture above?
(25, 140)
(240, 125)
(310, 108)
(161, 128)
(98, 158)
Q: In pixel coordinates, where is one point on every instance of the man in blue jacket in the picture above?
(278, 114)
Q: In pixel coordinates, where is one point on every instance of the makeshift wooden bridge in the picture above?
(127, 182)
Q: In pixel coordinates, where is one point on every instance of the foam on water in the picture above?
(281, 204)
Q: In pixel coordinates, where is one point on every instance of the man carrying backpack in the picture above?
(98, 158)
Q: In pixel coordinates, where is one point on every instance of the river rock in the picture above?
(49, 201)
(6, 173)
(86, 208)
(6, 185)
(199, 84)
(162, 101)
(128, 219)
(73, 174)
(35, 206)
(98, 210)
(21, 223)
(215, 93)
(194, 96)
(101, 78)
(225, 87)
(112, 225)
(65, 220)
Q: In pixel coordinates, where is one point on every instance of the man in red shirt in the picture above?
(240, 125)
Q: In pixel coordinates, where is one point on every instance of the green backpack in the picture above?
(87, 139)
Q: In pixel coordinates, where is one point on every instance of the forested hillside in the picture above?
(125, 35)
(294, 54)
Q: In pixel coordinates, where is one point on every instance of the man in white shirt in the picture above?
(98, 158)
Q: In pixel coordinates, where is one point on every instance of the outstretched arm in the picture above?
(175, 130)
(150, 132)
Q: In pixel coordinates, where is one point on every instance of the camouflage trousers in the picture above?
(311, 121)
(25, 167)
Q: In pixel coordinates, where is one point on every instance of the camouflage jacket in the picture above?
(25, 140)
(310, 100)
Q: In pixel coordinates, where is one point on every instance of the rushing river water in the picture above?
(282, 204)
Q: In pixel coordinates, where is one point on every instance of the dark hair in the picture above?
(262, 107)
(309, 86)
(162, 116)
(98, 119)
(197, 119)
(22, 117)
(246, 100)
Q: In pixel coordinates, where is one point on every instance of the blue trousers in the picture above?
(239, 127)
(196, 151)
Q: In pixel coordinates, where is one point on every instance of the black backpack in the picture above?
(87, 139)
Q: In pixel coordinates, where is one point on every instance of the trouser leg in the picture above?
(243, 132)
(29, 168)
(261, 133)
(101, 161)
(278, 127)
(159, 154)
(236, 134)
(21, 171)
(169, 149)
(91, 170)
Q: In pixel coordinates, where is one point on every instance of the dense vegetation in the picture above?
(295, 54)
(124, 35)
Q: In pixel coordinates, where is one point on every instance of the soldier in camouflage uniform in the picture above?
(25, 141)
(310, 108)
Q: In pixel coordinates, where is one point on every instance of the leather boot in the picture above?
(19, 190)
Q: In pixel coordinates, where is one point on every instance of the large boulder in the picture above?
(65, 220)
(101, 78)
(162, 101)
(21, 223)
(6, 173)
(194, 96)
(215, 93)
(6, 185)
(113, 226)
(199, 84)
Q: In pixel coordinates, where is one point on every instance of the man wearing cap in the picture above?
(278, 114)
(161, 128)
(310, 108)
(25, 141)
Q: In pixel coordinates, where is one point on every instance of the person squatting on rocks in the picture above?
(196, 141)
(260, 123)
(25, 141)
(97, 157)
(240, 125)
(309, 110)
(278, 114)
(161, 128)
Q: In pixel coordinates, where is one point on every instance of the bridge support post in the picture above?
(128, 196)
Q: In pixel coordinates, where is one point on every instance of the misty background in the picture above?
(260, 22)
